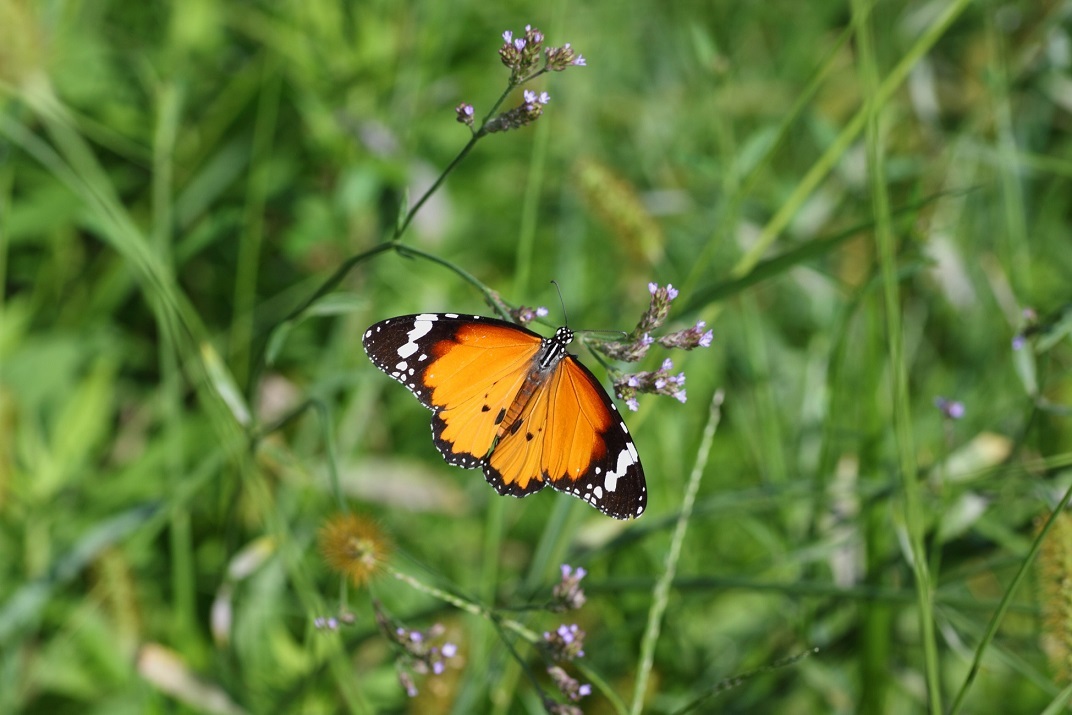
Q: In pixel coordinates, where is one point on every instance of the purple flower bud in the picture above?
(632, 404)
(652, 287)
(508, 36)
(950, 409)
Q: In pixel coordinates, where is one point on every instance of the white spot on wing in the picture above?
(626, 459)
(422, 325)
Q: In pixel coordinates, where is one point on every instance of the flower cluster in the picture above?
(417, 653)
(566, 643)
(660, 382)
(522, 55)
(636, 345)
(331, 623)
(523, 315)
(567, 595)
(950, 409)
(525, 113)
(560, 58)
(568, 686)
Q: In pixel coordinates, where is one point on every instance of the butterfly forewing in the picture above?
(467, 369)
(516, 405)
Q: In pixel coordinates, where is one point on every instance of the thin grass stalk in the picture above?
(183, 578)
(661, 592)
(913, 508)
(1006, 601)
(252, 236)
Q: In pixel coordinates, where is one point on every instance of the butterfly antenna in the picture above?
(565, 319)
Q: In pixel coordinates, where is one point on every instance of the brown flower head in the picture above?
(353, 546)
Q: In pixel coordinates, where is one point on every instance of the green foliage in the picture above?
(199, 205)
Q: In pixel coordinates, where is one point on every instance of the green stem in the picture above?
(661, 596)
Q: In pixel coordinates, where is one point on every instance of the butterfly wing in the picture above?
(571, 436)
(466, 369)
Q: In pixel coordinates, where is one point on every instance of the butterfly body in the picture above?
(514, 404)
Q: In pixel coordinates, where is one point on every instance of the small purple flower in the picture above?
(646, 339)
(566, 643)
(465, 113)
(519, 44)
(1018, 342)
(508, 36)
(632, 404)
(950, 409)
(414, 648)
(585, 690)
(406, 680)
(567, 594)
(668, 365)
(525, 315)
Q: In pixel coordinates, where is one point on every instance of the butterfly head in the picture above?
(563, 336)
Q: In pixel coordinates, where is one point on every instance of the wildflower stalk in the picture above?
(471, 607)
(661, 595)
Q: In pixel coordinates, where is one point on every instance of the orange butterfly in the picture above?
(516, 405)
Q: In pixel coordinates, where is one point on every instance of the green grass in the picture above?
(200, 208)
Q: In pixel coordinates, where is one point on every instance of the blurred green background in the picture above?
(861, 198)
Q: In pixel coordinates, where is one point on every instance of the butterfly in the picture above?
(514, 404)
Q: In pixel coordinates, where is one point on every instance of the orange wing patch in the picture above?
(559, 449)
(473, 381)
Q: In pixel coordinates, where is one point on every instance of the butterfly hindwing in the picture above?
(516, 405)
(573, 438)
